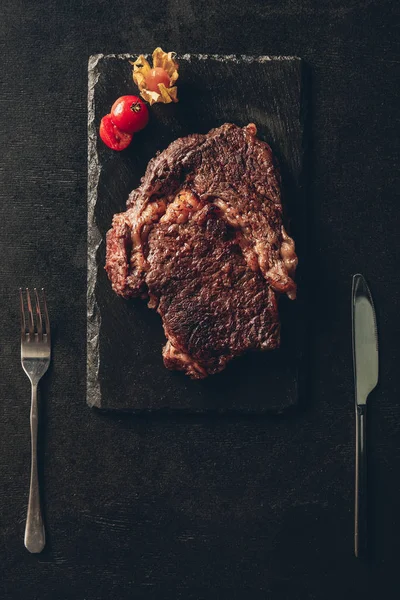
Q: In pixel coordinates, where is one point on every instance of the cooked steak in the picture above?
(203, 240)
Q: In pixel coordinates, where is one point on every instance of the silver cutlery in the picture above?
(35, 359)
(365, 363)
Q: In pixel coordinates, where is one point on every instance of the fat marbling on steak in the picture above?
(203, 240)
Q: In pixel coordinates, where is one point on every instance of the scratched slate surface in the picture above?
(125, 367)
(193, 507)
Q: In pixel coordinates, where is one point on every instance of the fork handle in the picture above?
(34, 529)
(360, 513)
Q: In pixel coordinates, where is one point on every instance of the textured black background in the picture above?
(199, 507)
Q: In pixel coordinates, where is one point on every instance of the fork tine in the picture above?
(23, 323)
(38, 313)
(46, 315)
(30, 313)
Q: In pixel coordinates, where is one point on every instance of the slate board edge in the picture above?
(95, 58)
(94, 238)
(93, 392)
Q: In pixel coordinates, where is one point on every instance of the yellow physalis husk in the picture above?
(141, 69)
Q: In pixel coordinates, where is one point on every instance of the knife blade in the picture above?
(366, 374)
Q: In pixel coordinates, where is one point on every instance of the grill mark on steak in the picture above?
(203, 239)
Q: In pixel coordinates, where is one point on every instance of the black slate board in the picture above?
(124, 364)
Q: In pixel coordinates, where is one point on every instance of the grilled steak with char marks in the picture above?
(203, 240)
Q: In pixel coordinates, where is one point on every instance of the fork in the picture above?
(35, 360)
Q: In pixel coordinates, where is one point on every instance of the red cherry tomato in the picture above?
(113, 137)
(156, 76)
(130, 114)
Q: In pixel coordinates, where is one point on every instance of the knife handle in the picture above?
(360, 513)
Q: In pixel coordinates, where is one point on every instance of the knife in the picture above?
(365, 363)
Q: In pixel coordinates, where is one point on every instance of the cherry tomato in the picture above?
(130, 114)
(156, 76)
(113, 137)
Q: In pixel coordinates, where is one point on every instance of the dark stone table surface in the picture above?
(195, 507)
